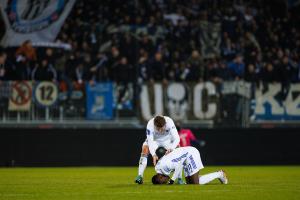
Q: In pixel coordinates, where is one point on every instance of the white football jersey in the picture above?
(187, 158)
(168, 139)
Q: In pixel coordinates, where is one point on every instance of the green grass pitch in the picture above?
(282, 182)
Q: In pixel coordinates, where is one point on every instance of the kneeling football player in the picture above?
(187, 159)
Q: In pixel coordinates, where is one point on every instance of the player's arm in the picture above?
(177, 171)
(175, 135)
(152, 145)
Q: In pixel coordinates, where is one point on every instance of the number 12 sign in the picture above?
(46, 93)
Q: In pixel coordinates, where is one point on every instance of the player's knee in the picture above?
(145, 150)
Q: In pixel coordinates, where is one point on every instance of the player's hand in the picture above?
(168, 151)
(155, 159)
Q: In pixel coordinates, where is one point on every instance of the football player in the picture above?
(187, 159)
(160, 131)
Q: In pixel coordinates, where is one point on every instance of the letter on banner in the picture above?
(268, 97)
(145, 101)
(293, 105)
(197, 108)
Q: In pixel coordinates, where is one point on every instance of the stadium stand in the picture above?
(138, 42)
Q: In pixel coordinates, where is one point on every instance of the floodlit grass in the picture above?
(282, 182)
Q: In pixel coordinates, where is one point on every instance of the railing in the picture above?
(230, 104)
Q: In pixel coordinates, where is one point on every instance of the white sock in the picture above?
(180, 176)
(209, 177)
(142, 165)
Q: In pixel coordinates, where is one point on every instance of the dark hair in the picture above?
(159, 179)
(159, 121)
(155, 179)
(160, 152)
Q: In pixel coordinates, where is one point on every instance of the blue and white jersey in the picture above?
(186, 158)
(168, 139)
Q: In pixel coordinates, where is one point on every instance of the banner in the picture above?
(210, 39)
(180, 101)
(20, 98)
(35, 20)
(99, 101)
(269, 103)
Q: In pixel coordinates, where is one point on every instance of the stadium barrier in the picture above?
(121, 147)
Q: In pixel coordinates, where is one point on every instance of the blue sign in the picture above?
(99, 101)
(271, 104)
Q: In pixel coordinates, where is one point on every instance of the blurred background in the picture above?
(80, 78)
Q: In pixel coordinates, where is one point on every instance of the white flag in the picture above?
(35, 20)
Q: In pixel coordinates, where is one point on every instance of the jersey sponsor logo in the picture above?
(179, 158)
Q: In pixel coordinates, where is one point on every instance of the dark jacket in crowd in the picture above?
(157, 70)
(123, 73)
(44, 72)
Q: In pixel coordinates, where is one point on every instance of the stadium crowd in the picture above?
(160, 40)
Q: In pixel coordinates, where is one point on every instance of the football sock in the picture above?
(142, 165)
(180, 176)
(209, 177)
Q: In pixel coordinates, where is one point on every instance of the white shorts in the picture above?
(193, 163)
(166, 145)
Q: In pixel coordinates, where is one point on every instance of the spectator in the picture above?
(223, 73)
(268, 76)
(99, 72)
(196, 66)
(237, 67)
(7, 69)
(143, 66)
(26, 58)
(284, 70)
(157, 68)
(27, 52)
(249, 30)
(123, 72)
(44, 72)
(3, 69)
(113, 60)
(228, 48)
(250, 74)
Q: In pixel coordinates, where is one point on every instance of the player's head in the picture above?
(160, 123)
(160, 152)
(160, 179)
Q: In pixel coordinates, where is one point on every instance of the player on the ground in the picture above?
(161, 131)
(188, 159)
